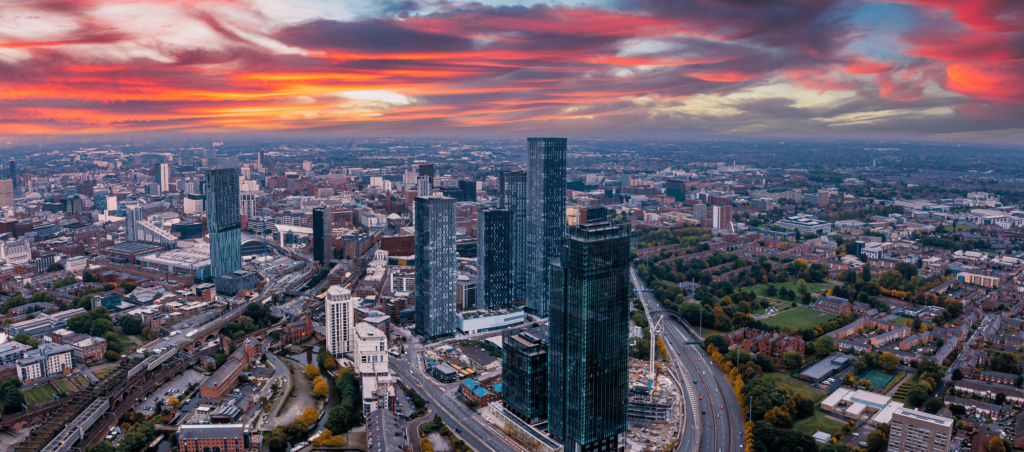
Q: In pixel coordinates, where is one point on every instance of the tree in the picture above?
(330, 363)
(849, 380)
(933, 405)
(101, 327)
(865, 273)
(81, 323)
(958, 374)
(309, 416)
(878, 439)
(996, 445)
(779, 417)
(801, 286)
(173, 401)
(327, 438)
(320, 388)
(131, 325)
(27, 340)
(276, 438)
(13, 399)
(1000, 398)
(792, 360)
(888, 362)
(824, 345)
(112, 355)
(312, 371)
(718, 341)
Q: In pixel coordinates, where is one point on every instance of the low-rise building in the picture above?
(47, 361)
(832, 305)
(211, 438)
(371, 345)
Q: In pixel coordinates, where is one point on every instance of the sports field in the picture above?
(798, 318)
(877, 379)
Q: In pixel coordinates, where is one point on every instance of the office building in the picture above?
(588, 361)
(494, 268)
(162, 174)
(676, 189)
(512, 197)
(917, 431)
(545, 215)
(194, 203)
(338, 319)
(6, 192)
(13, 169)
(468, 188)
(524, 373)
(427, 170)
(435, 266)
(223, 219)
(137, 229)
(323, 248)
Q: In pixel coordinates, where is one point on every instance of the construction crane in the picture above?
(654, 343)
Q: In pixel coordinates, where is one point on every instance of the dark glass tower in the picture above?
(14, 175)
(435, 266)
(512, 197)
(223, 218)
(323, 248)
(524, 373)
(468, 188)
(494, 243)
(588, 359)
(676, 189)
(545, 216)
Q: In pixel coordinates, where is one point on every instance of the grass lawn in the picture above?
(81, 381)
(40, 395)
(798, 318)
(708, 332)
(959, 227)
(779, 304)
(64, 386)
(126, 343)
(817, 423)
(795, 385)
(103, 372)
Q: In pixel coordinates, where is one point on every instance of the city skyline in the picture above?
(909, 68)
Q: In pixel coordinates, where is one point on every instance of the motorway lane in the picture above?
(477, 432)
(716, 433)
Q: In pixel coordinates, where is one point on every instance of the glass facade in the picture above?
(435, 266)
(323, 247)
(223, 219)
(545, 216)
(512, 197)
(588, 360)
(494, 244)
(524, 373)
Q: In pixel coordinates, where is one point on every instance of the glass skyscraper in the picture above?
(512, 197)
(545, 215)
(524, 373)
(223, 218)
(494, 268)
(435, 266)
(323, 247)
(588, 357)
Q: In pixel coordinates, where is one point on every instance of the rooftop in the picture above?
(210, 431)
(922, 416)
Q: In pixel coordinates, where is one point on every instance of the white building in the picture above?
(248, 203)
(163, 177)
(194, 204)
(371, 345)
(338, 309)
(49, 360)
(15, 252)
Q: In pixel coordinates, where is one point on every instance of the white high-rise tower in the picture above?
(338, 309)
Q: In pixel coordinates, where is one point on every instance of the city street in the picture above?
(478, 433)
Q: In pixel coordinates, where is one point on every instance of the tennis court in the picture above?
(877, 379)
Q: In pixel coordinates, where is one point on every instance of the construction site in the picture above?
(655, 406)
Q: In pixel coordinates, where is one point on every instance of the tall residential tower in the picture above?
(545, 215)
(512, 197)
(323, 247)
(338, 308)
(223, 218)
(435, 266)
(494, 268)
(588, 356)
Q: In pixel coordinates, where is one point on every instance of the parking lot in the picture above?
(173, 388)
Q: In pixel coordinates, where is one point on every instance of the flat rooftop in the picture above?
(922, 416)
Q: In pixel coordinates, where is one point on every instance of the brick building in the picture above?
(211, 437)
(832, 305)
(772, 344)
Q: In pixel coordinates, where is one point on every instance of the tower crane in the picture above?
(654, 343)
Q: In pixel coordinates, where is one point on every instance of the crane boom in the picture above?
(654, 343)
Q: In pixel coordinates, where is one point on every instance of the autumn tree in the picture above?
(173, 401)
(996, 445)
(779, 417)
(330, 363)
(849, 380)
(888, 362)
(312, 371)
(792, 360)
(320, 388)
(309, 416)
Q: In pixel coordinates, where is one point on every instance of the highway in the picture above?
(478, 433)
(716, 423)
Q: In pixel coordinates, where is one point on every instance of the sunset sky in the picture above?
(935, 69)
